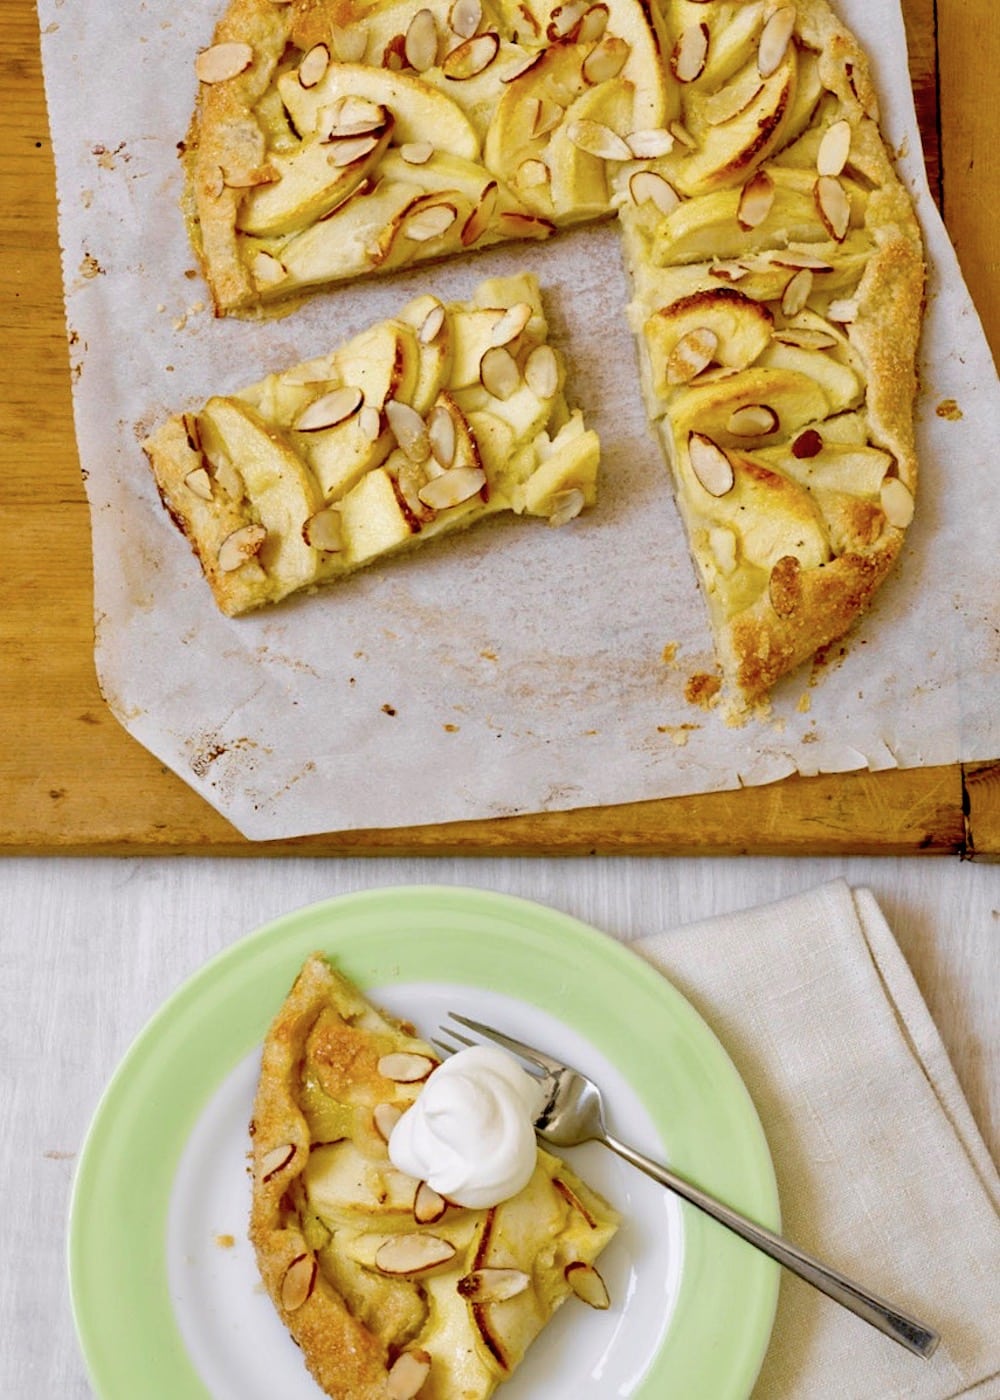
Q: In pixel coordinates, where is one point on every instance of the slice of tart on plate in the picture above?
(417, 427)
(390, 1290)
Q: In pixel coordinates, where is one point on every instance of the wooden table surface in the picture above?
(73, 781)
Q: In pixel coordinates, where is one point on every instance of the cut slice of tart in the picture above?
(778, 277)
(390, 1291)
(419, 426)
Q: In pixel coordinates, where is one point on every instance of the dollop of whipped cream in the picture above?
(470, 1135)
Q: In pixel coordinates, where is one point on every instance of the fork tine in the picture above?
(528, 1052)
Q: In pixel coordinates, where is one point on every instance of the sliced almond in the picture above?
(732, 99)
(267, 270)
(192, 431)
(511, 323)
(385, 1116)
(349, 43)
(692, 353)
(200, 483)
(752, 420)
(249, 179)
(329, 410)
(370, 422)
(787, 258)
(421, 43)
(429, 221)
(593, 23)
(499, 373)
(465, 17)
(843, 310)
(805, 337)
(710, 465)
(647, 186)
(405, 1066)
(774, 39)
(471, 57)
(834, 148)
(797, 292)
(807, 444)
(897, 502)
(681, 134)
(428, 1206)
(452, 487)
(431, 325)
(648, 144)
(566, 506)
(413, 1253)
(314, 65)
(325, 531)
(353, 116)
(687, 61)
(241, 545)
(532, 174)
(222, 61)
(298, 1282)
(564, 20)
(834, 206)
(529, 61)
(541, 372)
(276, 1160)
(587, 1284)
(784, 587)
(545, 114)
(728, 269)
(598, 140)
(482, 216)
(756, 199)
(441, 435)
(493, 1285)
(407, 1374)
(346, 151)
(394, 54)
(605, 60)
(416, 152)
(525, 225)
(229, 479)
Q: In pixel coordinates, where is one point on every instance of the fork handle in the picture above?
(906, 1330)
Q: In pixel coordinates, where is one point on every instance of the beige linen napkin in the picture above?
(881, 1169)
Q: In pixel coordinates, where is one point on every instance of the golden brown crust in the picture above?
(341, 1353)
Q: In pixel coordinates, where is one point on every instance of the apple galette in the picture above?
(775, 257)
(419, 426)
(390, 1291)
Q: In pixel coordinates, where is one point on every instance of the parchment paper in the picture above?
(514, 668)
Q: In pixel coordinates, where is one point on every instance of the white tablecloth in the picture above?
(90, 948)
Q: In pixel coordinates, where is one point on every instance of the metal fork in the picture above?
(573, 1113)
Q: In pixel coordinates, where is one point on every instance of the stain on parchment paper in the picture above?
(208, 749)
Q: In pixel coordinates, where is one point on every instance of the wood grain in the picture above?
(74, 781)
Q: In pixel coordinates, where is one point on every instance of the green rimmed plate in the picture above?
(167, 1307)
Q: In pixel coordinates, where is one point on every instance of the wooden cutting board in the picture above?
(73, 781)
